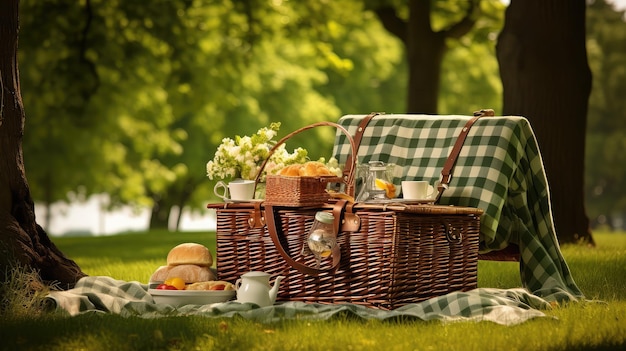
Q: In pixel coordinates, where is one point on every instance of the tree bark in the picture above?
(546, 78)
(22, 241)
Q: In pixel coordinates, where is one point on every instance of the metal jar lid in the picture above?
(325, 217)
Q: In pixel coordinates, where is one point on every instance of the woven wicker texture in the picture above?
(400, 255)
(297, 191)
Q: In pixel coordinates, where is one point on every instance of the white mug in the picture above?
(238, 189)
(416, 190)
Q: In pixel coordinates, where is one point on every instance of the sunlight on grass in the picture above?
(610, 254)
(132, 257)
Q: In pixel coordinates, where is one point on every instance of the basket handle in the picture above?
(272, 228)
(358, 136)
(348, 178)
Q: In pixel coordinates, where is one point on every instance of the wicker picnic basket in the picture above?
(388, 255)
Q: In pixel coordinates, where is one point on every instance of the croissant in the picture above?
(315, 169)
(308, 169)
(291, 170)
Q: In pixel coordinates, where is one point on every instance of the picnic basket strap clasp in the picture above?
(272, 228)
(256, 220)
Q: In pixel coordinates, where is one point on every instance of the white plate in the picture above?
(179, 298)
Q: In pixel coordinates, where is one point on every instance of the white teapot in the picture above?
(255, 287)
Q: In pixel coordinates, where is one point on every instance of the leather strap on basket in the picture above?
(272, 228)
(446, 172)
(358, 135)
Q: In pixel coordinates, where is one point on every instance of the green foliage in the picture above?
(470, 79)
(154, 90)
(132, 99)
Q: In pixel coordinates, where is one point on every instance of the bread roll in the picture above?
(190, 273)
(190, 253)
(160, 274)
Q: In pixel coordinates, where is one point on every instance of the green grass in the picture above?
(596, 324)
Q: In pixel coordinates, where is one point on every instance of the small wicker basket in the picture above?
(303, 191)
(297, 191)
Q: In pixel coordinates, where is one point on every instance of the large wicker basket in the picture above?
(398, 254)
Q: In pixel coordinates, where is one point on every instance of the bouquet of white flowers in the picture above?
(243, 156)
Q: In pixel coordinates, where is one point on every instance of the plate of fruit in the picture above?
(177, 293)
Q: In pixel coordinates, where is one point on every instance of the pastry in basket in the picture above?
(307, 169)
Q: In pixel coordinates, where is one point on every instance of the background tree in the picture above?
(547, 79)
(426, 45)
(22, 241)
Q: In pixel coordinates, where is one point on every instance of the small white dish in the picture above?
(179, 298)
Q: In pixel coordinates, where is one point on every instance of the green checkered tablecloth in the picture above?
(499, 170)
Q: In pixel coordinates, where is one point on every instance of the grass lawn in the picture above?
(596, 324)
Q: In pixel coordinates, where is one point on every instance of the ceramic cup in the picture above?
(416, 189)
(238, 190)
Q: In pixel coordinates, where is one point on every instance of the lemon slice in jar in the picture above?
(389, 188)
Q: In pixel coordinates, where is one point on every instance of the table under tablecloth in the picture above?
(499, 170)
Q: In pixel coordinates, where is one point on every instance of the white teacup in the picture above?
(416, 190)
(238, 189)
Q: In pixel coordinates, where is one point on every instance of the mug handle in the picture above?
(224, 194)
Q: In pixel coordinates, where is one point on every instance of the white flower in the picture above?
(243, 156)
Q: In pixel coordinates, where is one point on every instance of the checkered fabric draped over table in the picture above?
(499, 170)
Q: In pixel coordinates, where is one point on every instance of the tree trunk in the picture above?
(160, 215)
(22, 241)
(425, 49)
(162, 208)
(546, 78)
